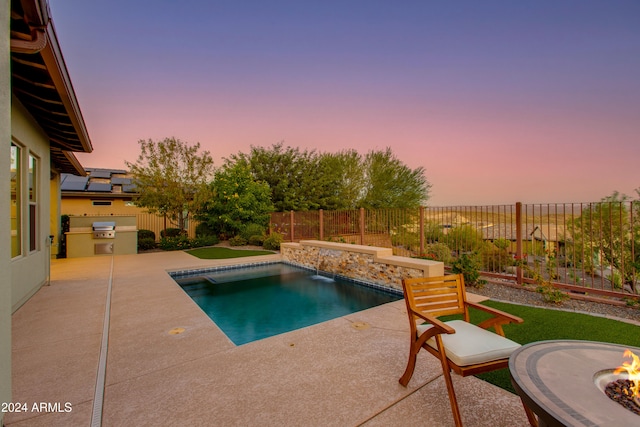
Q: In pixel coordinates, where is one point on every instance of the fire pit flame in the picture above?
(632, 369)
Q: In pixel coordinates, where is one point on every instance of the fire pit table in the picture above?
(563, 382)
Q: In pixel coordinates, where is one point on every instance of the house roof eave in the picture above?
(40, 80)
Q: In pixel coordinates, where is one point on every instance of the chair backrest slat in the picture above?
(436, 296)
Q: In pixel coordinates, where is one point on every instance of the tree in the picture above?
(289, 173)
(340, 180)
(235, 201)
(392, 184)
(307, 180)
(168, 175)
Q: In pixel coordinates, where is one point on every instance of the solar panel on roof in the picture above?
(129, 188)
(100, 173)
(74, 183)
(99, 186)
(70, 177)
(120, 181)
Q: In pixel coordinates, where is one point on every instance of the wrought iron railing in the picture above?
(584, 247)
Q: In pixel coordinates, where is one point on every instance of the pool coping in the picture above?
(177, 274)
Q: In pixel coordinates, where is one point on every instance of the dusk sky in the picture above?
(499, 101)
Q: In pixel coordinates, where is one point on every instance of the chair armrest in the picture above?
(499, 318)
(507, 317)
(442, 327)
(437, 328)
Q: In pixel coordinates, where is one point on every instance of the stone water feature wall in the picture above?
(366, 263)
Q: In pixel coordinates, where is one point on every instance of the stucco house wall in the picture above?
(81, 206)
(5, 227)
(28, 269)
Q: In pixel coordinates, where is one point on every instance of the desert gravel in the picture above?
(529, 297)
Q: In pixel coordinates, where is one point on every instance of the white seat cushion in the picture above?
(471, 344)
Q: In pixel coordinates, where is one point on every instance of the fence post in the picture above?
(421, 230)
(519, 242)
(321, 224)
(291, 225)
(362, 226)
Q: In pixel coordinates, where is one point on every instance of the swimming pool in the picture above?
(256, 302)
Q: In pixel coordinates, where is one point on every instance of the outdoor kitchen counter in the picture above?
(101, 235)
(557, 380)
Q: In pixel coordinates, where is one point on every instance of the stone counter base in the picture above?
(365, 263)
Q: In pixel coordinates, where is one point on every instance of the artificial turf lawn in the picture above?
(224, 253)
(542, 324)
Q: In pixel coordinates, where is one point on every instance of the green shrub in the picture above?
(252, 230)
(408, 241)
(464, 238)
(616, 280)
(203, 229)
(551, 294)
(257, 240)
(433, 232)
(438, 252)
(502, 244)
(173, 232)
(175, 243)
(146, 234)
(201, 241)
(237, 241)
(146, 243)
(469, 267)
(272, 242)
(183, 242)
(494, 258)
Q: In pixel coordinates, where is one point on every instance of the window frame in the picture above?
(16, 184)
(33, 179)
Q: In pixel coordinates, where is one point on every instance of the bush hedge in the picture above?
(179, 243)
(173, 232)
(272, 242)
(146, 234)
(257, 240)
(146, 243)
(469, 266)
(252, 229)
(438, 252)
(203, 229)
(237, 241)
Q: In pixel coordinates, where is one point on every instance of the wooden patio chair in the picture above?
(465, 348)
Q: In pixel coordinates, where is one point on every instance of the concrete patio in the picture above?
(343, 372)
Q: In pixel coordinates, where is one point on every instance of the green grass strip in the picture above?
(224, 253)
(541, 324)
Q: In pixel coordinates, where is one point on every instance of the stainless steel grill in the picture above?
(104, 230)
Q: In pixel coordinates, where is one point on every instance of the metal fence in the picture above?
(584, 247)
(158, 223)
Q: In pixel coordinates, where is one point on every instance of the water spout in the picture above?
(318, 276)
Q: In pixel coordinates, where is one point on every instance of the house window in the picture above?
(16, 189)
(33, 202)
(101, 202)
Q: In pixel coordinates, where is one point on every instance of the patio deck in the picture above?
(330, 374)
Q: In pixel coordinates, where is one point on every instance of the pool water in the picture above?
(253, 303)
